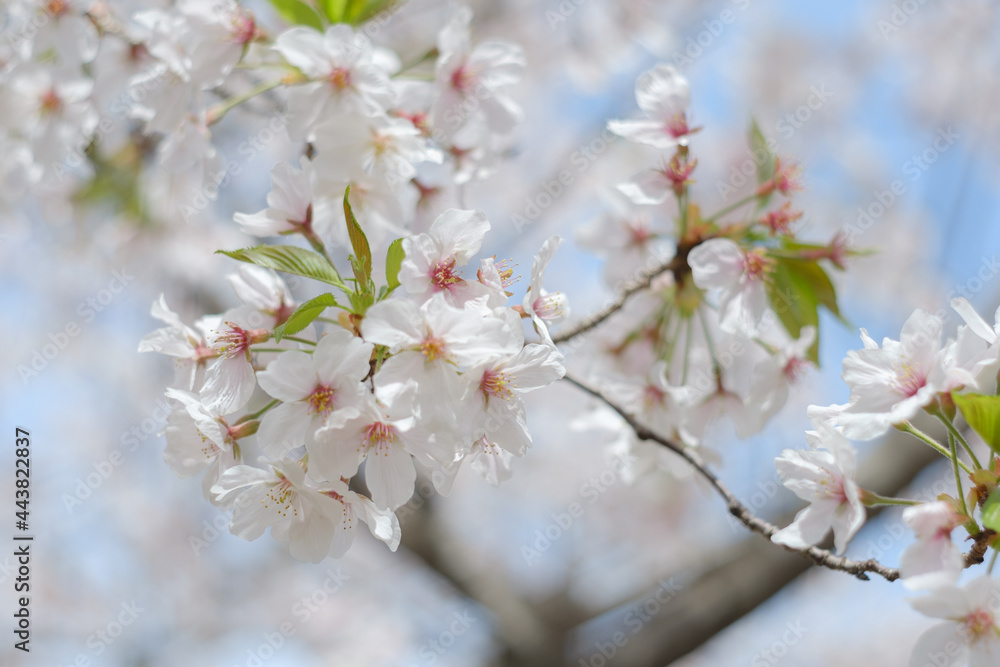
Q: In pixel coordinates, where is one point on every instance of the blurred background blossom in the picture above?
(133, 567)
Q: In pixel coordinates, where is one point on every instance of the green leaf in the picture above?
(991, 511)
(762, 155)
(335, 10)
(362, 251)
(290, 259)
(796, 290)
(393, 260)
(982, 412)
(359, 11)
(298, 13)
(304, 315)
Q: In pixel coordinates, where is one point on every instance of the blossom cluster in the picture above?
(355, 405)
(732, 323)
(890, 385)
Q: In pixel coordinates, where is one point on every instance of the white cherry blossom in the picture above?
(970, 634)
(934, 559)
(825, 478)
(319, 390)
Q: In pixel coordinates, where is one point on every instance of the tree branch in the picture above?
(824, 557)
(643, 281)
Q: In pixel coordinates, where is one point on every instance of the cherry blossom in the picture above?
(188, 346)
(293, 204)
(825, 478)
(315, 521)
(740, 278)
(318, 390)
(463, 73)
(198, 438)
(933, 560)
(970, 634)
(433, 259)
(891, 384)
(538, 304)
(342, 76)
(663, 94)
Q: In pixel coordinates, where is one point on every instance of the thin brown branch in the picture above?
(643, 281)
(828, 559)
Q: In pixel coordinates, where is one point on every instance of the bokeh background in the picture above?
(133, 567)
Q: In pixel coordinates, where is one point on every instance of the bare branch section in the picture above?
(824, 557)
(643, 281)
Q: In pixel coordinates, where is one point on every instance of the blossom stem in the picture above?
(300, 340)
(688, 330)
(993, 561)
(907, 427)
(273, 349)
(216, 113)
(952, 431)
(958, 476)
(732, 207)
(256, 415)
(873, 499)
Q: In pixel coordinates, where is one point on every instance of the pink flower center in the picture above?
(434, 348)
(444, 275)
(56, 7)
(979, 624)
(340, 78)
(653, 396)
(321, 401)
(795, 369)
(281, 496)
(497, 383)
(548, 306)
(378, 437)
(677, 126)
(909, 380)
(50, 102)
(756, 265)
(463, 80)
(244, 28)
(237, 340)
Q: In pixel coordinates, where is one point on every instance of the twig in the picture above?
(643, 281)
(820, 556)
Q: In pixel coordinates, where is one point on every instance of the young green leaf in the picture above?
(991, 511)
(304, 315)
(982, 412)
(335, 10)
(796, 290)
(359, 11)
(393, 260)
(362, 251)
(762, 155)
(298, 13)
(290, 259)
